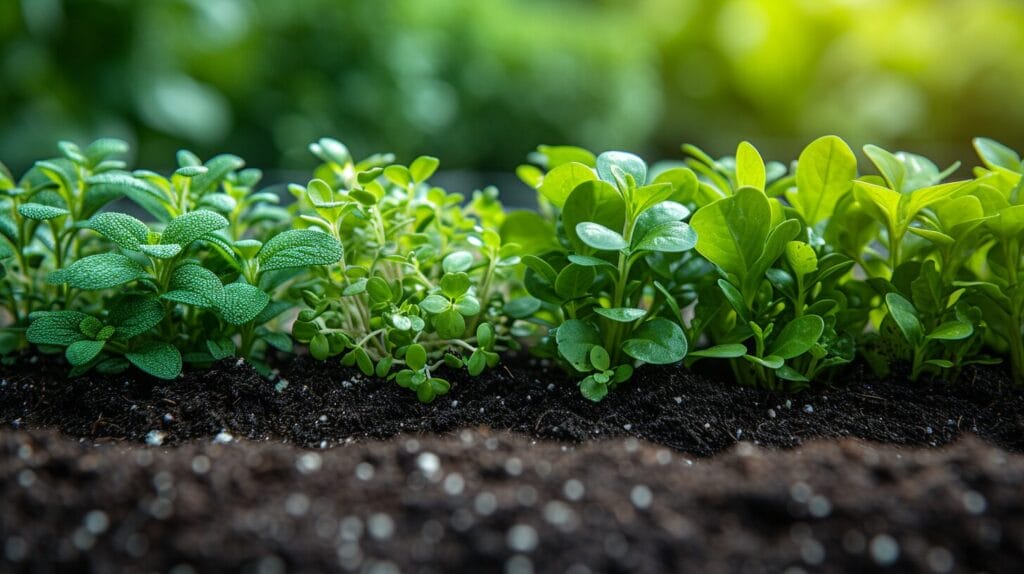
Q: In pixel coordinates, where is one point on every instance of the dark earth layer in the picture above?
(484, 502)
(325, 404)
(453, 491)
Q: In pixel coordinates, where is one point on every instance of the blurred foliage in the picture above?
(482, 82)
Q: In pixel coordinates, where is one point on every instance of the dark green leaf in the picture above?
(161, 360)
(658, 341)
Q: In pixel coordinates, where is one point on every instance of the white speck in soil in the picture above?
(974, 502)
(940, 560)
(323, 444)
(800, 492)
(518, 564)
(854, 542)
(885, 550)
(455, 404)
(679, 400)
(551, 386)
(663, 456)
(641, 496)
(514, 466)
(485, 503)
(380, 526)
(281, 385)
(739, 433)
(560, 514)
(323, 418)
(627, 426)
(346, 384)
(928, 430)
(201, 464)
(168, 418)
(96, 522)
(155, 437)
(26, 478)
(297, 505)
(771, 413)
(522, 538)
(789, 404)
(364, 471)
(454, 484)
(137, 545)
(707, 425)
(350, 528)
(83, 540)
(481, 410)
(819, 506)
(812, 551)
(808, 409)
(15, 548)
(526, 496)
(309, 463)
(573, 489)
(430, 465)
(223, 437)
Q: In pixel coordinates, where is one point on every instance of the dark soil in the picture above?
(325, 404)
(453, 490)
(483, 502)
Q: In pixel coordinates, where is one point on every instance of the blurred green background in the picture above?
(480, 83)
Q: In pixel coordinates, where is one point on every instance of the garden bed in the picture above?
(513, 470)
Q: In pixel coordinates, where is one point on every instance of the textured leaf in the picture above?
(185, 229)
(299, 248)
(101, 271)
(241, 303)
(160, 360)
(133, 315)
(81, 352)
(55, 328)
(124, 230)
(40, 212)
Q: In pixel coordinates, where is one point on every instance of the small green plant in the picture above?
(423, 279)
(774, 310)
(190, 285)
(619, 236)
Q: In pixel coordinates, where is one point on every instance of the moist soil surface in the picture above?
(514, 471)
(321, 403)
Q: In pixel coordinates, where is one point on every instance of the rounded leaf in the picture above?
(658, 342)
(798, 336)
(611, 163)
(600, 237)
(457, 261)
